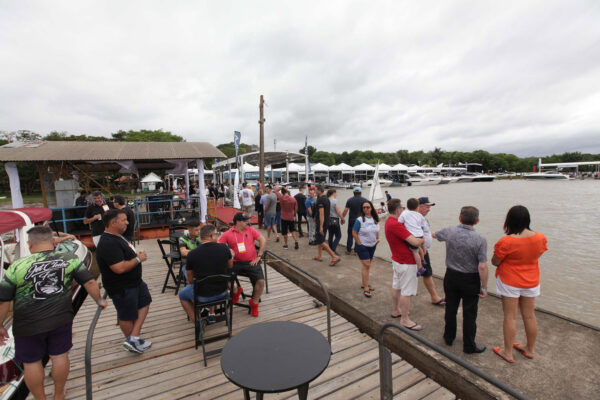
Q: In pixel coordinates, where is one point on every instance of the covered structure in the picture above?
(341, 172)
(320, 171)
(151, 182)
(65, 160)
(274, 160)
(364, 171)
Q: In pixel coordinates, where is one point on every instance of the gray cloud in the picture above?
(520, 77)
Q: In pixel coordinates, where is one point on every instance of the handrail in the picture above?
(88, 351)
(328, 302)
(385, 364)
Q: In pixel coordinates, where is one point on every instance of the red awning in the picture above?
(10, 220)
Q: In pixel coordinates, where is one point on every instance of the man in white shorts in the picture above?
(404, 283)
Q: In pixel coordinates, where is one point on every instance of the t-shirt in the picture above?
(111, 250)
(242, 243)
(332, 203)
(519, 255)
(354, 204)
(396, 234)
(189, 243)
(309, 206)
(209, 259)
(131, 224)
(465, 248)
(97, 225)
(288, 207)
(270, 204)
(247, 197)
(42, 286)
(413, 221)
(322, 203)
(367, 231)
(301, 201)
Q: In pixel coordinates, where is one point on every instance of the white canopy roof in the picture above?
(319, 167)
(250, 168)
(293, 167)
(151, 177)
(345, 168)
(399, 167)
(363, 167)
(384, 167)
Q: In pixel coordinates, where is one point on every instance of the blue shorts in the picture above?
(270, 220)
(364, 252)
(187, 294)
(130, 300)
(30, 349)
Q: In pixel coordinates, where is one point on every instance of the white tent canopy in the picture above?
(151, 177)
(363, 167)
(399, 167)
(345, 168)
(384, 168)
(293, 167)
(319, 167)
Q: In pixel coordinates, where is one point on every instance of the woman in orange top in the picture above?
(518, 279)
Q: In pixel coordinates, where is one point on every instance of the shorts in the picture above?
(30, 349)
(405, 278)
(287, 226)
(248, 209)
(515, 292)
(319, 239)
(364, 252)
(410, 246)
(427, 265)
(243, 268)
(187, 294)
(270, 220)
(129, 301)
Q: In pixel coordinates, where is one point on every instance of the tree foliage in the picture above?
(146, 135)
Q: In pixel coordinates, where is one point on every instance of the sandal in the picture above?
(371, 289)
(318, 259)
(332, 263)
(367, 293)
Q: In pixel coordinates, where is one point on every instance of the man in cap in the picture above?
(240, 238)
(424, 208)
(353, 205)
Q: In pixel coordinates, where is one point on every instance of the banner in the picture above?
(307, 167)
(237, 136)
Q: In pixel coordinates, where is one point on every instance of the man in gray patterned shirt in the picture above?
(466, 276)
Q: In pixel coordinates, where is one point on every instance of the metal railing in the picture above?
(385, 365)
(88, 351)
(327, 301)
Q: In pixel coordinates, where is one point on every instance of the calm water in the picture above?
(566, 212)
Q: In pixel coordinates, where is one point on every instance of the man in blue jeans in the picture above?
(210, 258)
(353, 205)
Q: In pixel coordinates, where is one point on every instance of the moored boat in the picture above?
(546, 175)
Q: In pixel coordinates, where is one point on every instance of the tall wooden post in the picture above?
(42, 183)
(261, 122)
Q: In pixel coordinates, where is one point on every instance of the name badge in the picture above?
(105, 207)
(241, 247)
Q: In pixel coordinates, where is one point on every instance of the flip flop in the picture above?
(497, 351)
(331, 264)
(522, 351)
(395, 316)
(318, 259)
(367, 293)
(414, 327)
(442, 302)
(371, 289)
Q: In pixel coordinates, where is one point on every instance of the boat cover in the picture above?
(11, 220)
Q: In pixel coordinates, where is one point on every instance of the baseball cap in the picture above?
(425, 201)
(240, 217)
(357, 190)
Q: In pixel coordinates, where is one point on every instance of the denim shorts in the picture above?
(187, 294)
(364, 252)
(30, 349)
(270, 220)
(130, 300)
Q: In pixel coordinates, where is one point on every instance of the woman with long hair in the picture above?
(336, 219)
(518, 280)
(366, 235)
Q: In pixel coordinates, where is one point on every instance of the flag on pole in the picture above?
(236, 141)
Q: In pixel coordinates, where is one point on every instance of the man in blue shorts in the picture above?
(270, 205)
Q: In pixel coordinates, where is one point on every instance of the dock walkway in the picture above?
(173, 368)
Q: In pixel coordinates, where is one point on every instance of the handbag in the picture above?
(334, 222)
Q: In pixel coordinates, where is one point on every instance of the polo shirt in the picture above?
(234, 239)
(396, 234)
(288, 207)
(353, 204)
(465, 248)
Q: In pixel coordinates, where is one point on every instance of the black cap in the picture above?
(425, 201)
(240, 217)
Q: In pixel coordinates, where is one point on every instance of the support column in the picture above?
(15, 185)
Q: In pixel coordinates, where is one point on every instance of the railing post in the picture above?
(265, 268)
(385, 369)
(88, 352)
(64, 217)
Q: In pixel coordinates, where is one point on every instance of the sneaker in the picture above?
(212, 318)
(277, 239)
(143, 344)
(296, 246)
(285, 246)
(132, 346)
(253, 308)
(237, 294)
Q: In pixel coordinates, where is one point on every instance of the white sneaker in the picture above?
(143, 344)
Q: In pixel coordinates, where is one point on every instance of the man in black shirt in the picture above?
(353, 205)
(121, 268)
(322, 214)
(120, 204)
(210, 258)
(93, 216)
(301, 201)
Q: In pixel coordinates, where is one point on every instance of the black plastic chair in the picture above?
(171, 259)
(223, 312)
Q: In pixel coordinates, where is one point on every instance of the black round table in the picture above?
(273, 357)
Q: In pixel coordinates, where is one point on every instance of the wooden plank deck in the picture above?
(173, 369)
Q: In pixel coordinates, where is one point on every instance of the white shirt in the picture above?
(413, 221)
(247, 197)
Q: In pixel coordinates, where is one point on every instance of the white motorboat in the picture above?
(546, 175)
(476, 178)
(417, 179)
(382, 183)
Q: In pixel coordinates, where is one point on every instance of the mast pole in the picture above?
(261, 164)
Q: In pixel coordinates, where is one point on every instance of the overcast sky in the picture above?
(520, 77)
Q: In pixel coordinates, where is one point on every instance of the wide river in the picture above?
(565, 211)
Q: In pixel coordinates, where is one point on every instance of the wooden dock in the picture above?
(173, 369)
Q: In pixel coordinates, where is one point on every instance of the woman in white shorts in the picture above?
(518, 280)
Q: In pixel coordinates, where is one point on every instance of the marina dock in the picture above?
(173, 368)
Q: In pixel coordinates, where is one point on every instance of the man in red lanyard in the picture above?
(240, 238)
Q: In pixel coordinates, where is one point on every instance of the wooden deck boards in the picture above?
(173, 369)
